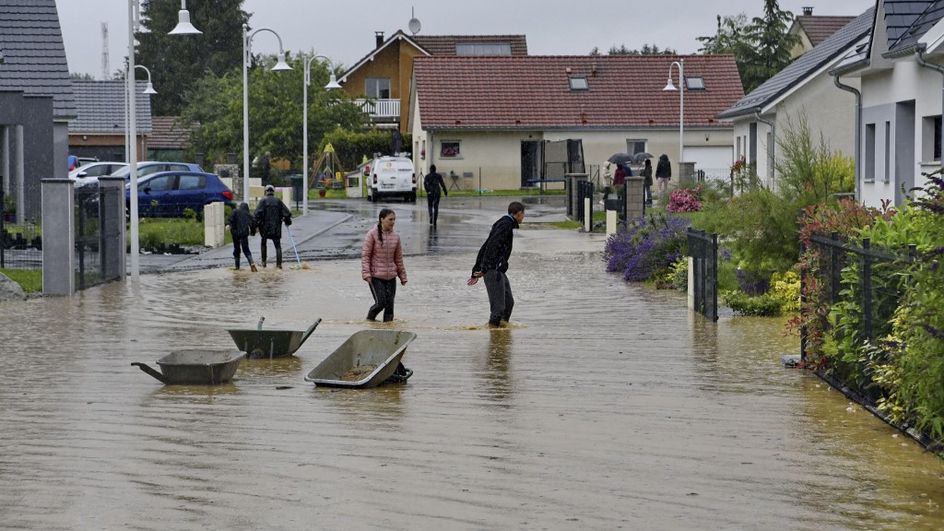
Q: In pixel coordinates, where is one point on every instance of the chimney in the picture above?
(379, 37)
(808, 11)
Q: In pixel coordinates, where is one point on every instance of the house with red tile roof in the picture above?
(494, 115)
(380, 81)
(811, 30)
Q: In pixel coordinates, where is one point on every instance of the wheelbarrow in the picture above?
(195, 367)
(259, 343)
(366, 359)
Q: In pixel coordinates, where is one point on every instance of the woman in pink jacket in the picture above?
(381, 264)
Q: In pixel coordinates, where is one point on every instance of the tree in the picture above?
(647, 49)
(178, 62)
(275, 111)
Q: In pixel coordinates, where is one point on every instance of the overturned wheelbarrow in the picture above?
(367, 359)
(195, 367)
(259, 343)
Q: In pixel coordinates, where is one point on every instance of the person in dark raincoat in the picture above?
(241, 225)
(492, 264)
(663, 174)
(647, 174)
(270, 214)
(433, 183)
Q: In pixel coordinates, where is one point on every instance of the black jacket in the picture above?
(496, 250)
(270, 213)
(241, 224)
(433, 182)
(664, 168)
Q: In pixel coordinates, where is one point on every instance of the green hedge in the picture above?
(352, 146)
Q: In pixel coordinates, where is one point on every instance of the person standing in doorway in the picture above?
(647, 175)
(492, 263)
(270, 214)
(382, 264)
(664, 174)
(433, 183)
(241, 225)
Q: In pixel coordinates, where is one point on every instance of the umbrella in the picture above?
(641, 157)
(620, 158)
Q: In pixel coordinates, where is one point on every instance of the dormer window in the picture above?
(579, 83)
(695, 83)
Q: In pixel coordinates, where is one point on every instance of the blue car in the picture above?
(169, 193)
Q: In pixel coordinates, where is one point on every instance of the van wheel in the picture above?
(370, 197)
(413, 197)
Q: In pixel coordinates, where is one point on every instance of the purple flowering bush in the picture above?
(647, 248)
(685, 200)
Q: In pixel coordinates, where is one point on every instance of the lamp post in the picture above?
(183, 28)
(280, 65)
(332, 84)
(149, 90)
(669, 86)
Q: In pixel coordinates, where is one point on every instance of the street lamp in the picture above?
(332, 84)
(280, 65)
(669, 86)
(149, 90)
(134, 10)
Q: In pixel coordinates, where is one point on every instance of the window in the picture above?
(579, 83)
(191, 182)
(483, 48)
(738, 157)
(159, 184)
(148, 170)
(177, 167)
(888, 150)
(870, 153)
(449, 149)
(931, 138)
(634, 146)
(695, 83)
(377, 88)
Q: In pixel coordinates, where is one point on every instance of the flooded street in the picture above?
(606, 406)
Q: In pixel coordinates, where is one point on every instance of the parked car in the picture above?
(89, 173)
(148, 167)
(74, 161)
(169, 193)
(391, 176)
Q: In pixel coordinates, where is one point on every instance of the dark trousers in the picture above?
(500, 299)
(278, 250)
(384, 292)
(432, 203)
(241, 243)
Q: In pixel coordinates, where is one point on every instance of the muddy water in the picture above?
(606, 406)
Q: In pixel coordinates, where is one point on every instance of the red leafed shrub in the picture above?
(685, 200)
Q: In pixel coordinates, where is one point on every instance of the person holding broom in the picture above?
(270, 214)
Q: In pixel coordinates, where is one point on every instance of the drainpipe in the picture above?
(921, 61)
(771, 149)
(858, 130)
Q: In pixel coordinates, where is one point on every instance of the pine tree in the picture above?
(772, 44)
(178, 62)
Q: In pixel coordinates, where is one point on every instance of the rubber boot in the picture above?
(253, 268)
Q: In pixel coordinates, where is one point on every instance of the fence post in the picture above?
(714, 276)
(867, 288)
(112, 227)
(835, 278)
(58, 203)
(802, 306)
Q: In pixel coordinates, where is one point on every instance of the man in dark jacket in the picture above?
(241, 225)
(492, 263)
(433, 183)
(270, 213)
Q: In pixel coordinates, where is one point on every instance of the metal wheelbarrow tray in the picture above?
(195, 367)
(258, 343)
(379, 348)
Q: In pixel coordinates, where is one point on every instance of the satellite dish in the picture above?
(415, 25)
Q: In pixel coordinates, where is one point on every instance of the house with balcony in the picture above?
(497, 117)
(380, 81)
(899, 68)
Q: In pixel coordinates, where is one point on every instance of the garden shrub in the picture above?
(647, 247)
(766, 305)
(685, 200)
(675, 276)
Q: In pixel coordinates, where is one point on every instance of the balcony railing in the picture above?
(380, 108)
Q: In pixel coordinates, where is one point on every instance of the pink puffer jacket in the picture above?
(382, 260)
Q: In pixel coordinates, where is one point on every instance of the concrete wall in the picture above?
(40, 149)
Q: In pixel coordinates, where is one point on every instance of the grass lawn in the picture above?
(31, 280)
(570, 224)
(156, 233)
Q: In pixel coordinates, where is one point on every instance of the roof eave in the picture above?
(850, 68)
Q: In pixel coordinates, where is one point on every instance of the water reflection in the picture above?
(499, 386)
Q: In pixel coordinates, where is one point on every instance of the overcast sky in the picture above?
(344, 30)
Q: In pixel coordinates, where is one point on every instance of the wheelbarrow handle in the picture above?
(310, 330)
(146, 368)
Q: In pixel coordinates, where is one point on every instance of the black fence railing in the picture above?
(21, 246)
(703, 248)
(584, 191)
(97, 221)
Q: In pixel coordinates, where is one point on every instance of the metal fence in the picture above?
(98, 224)
(584, 191)
(703, 248)
(21, 246)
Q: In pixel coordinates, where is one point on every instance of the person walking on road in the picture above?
(270, 214)
(492, 264)
(433, 183)
(241, 225)
(663, 174)
(382, 264)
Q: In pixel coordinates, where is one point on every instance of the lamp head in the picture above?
(149, 89)
(281, 65)
(333, 82)
(184, 27)
(669, 86)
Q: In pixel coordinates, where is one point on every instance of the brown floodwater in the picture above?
(605, 406)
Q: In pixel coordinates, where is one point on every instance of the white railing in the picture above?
(380, 108)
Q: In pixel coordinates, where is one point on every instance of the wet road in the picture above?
(606, 406)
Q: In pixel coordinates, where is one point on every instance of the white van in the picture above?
(391, 176)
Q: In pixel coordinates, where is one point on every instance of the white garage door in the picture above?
(714, 161)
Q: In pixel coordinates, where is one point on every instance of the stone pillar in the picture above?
(611, 219)
(214, 225)
(691, 283)
(19, 173)
(113, 229)
(58, 204)
(5, 157)
(571, 180)
(587, 214)
(229, 174)
(686, 175)
(635, 196)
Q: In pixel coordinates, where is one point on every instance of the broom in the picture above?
(294, 248)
